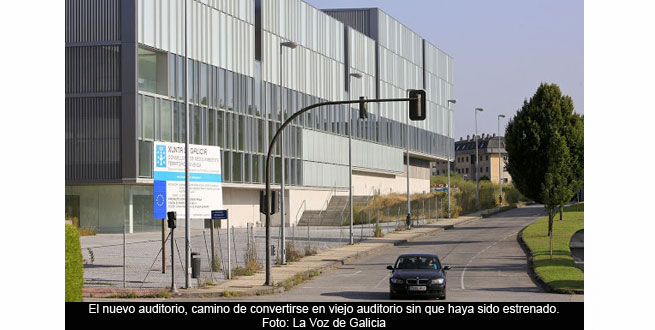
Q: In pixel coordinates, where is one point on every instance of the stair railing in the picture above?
(327, 201)
(303, 207)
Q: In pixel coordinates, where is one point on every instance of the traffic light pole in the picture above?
(408, 221)
(267, 195)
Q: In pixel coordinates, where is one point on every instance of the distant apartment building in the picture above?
(489, 146)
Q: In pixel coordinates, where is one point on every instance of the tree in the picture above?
(555, 188)
(545, 149)
(573, 132)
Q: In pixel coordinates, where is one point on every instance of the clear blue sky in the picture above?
(502, 49)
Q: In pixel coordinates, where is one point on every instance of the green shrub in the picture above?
(455, 208)
(393, 207)
(360, 216)
(512, 195)
(74, 268)
(252, 264)
(309, 251)
(87, 231)
(378, 230)
(292, 253)
(242, 271)
(488, 194)
(464, 193)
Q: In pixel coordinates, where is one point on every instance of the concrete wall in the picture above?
(364, 183)
(242, 205)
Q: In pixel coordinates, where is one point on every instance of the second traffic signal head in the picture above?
(263, 205)
(172, 217)
(417, 109)
(363, 111)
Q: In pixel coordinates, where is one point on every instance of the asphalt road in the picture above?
(487, 265)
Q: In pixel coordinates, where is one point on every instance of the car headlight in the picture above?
(397, 281)
(437, 281)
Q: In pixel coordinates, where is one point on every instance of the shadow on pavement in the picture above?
(481, 227)
(101, 266)
(555, 253)
(510, 268)
(416, 243)
(359, 295)
(511, 289)
(568, 284)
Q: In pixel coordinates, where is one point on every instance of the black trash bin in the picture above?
(195, 264)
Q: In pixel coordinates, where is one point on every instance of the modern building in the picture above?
(125, 79)
(464, 163)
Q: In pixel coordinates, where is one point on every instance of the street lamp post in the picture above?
(283, 248)
(350, 155)
(448, 162)
(187, 226)
(477, 180)
(500, 176)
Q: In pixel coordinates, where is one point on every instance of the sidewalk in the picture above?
(286, 276)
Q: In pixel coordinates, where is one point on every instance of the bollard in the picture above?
(124, 264)
(195, 265)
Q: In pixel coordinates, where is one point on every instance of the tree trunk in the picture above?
(550, 231)
(561, 210)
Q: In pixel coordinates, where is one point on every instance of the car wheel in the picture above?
(442, 297)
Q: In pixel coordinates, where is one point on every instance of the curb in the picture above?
(119, 292)
(533, 274)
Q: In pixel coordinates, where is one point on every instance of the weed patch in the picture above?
(292, 253)
(309, 251)
(87, 231)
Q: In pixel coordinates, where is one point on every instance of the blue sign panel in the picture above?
(219, 214)
(159, 199)
(193, 177)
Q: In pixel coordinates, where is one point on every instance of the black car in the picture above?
(418, 275)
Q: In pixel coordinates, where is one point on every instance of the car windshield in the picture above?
(417, 263)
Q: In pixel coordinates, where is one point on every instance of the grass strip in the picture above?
(560, 272)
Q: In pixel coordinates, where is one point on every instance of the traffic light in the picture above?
(363, 113)
(172, 217)
(417, 110)
(262, 202)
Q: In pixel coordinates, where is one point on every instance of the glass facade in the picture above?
(237, 103)
(147, 70)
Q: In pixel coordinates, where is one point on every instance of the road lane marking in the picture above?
(474, 257)
(353, 274)
(382, 280)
